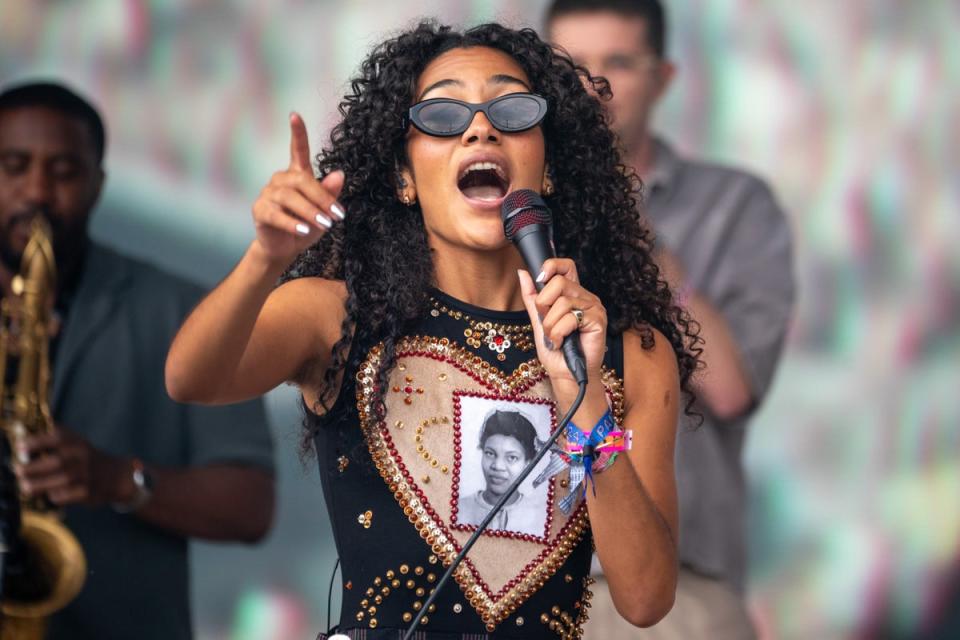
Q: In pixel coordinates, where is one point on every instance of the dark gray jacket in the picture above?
(108, 386)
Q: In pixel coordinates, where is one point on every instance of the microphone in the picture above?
(528, 224)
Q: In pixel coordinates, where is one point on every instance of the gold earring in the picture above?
(547, 188)
(405, 200)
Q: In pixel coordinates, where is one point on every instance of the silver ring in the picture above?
(578, 314)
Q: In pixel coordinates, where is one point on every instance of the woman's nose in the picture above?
(480, 129)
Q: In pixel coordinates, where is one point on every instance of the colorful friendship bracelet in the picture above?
(591, 453)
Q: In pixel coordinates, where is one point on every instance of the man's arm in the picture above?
(224, 502)
(723, 385)
(744, 329)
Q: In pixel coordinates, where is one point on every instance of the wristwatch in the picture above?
(143, 482)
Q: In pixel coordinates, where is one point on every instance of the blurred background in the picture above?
(851, 110)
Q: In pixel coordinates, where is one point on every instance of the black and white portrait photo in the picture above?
(498, 437)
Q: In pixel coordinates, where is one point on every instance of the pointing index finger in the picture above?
(299, 144)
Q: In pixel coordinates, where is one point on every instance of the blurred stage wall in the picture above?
(849, 109)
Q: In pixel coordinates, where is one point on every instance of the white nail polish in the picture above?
(337, 210)
(541, 277)
(322, 219)
(302, 229)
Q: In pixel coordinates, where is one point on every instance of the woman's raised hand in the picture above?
(295, 209)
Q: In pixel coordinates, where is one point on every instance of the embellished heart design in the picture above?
(457, 432)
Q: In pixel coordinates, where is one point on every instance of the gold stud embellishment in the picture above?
(422, 449)
(389, 450)
(495, 336)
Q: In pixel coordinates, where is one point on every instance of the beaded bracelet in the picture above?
(587, 454)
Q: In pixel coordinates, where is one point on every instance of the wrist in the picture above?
(263, 264)
(594, 403)
(135, 487)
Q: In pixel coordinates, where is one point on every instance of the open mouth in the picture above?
(484, 181)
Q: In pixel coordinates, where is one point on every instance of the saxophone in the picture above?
(50, 567)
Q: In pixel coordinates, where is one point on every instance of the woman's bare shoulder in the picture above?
(315, 302)
(318, 289)
(651, 372)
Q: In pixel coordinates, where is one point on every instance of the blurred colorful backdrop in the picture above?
(850, 109)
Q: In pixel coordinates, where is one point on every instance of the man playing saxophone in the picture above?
(134, 473)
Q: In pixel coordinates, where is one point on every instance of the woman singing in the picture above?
(405, 316)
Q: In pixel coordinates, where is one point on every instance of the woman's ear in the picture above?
(406, 187)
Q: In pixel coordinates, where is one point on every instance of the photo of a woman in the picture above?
(506, 441)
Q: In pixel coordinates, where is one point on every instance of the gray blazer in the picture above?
(735, 245)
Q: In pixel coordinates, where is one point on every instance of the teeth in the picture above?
(485, 166)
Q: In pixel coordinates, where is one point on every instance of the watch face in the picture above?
(144, 479)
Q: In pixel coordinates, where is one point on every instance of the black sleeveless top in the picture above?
(467, 405)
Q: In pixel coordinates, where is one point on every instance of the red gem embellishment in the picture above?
(497, 341)
(408, 390)
(540, 555)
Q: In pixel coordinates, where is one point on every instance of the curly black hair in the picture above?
(595, 204)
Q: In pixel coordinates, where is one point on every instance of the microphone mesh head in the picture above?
(522, 208)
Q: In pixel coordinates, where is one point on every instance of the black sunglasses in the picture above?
(448, 117)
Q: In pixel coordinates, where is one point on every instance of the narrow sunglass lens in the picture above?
(444, 117)
(515, 112)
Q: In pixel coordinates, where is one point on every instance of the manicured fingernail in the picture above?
(322, 219)
(302, 229)
(337, 209)
(541, 277)
(548, 343)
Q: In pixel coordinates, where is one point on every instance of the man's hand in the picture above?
(723, 385)
(67, 469)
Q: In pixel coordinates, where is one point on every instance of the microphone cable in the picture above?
(333, 575)
(498, 506)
